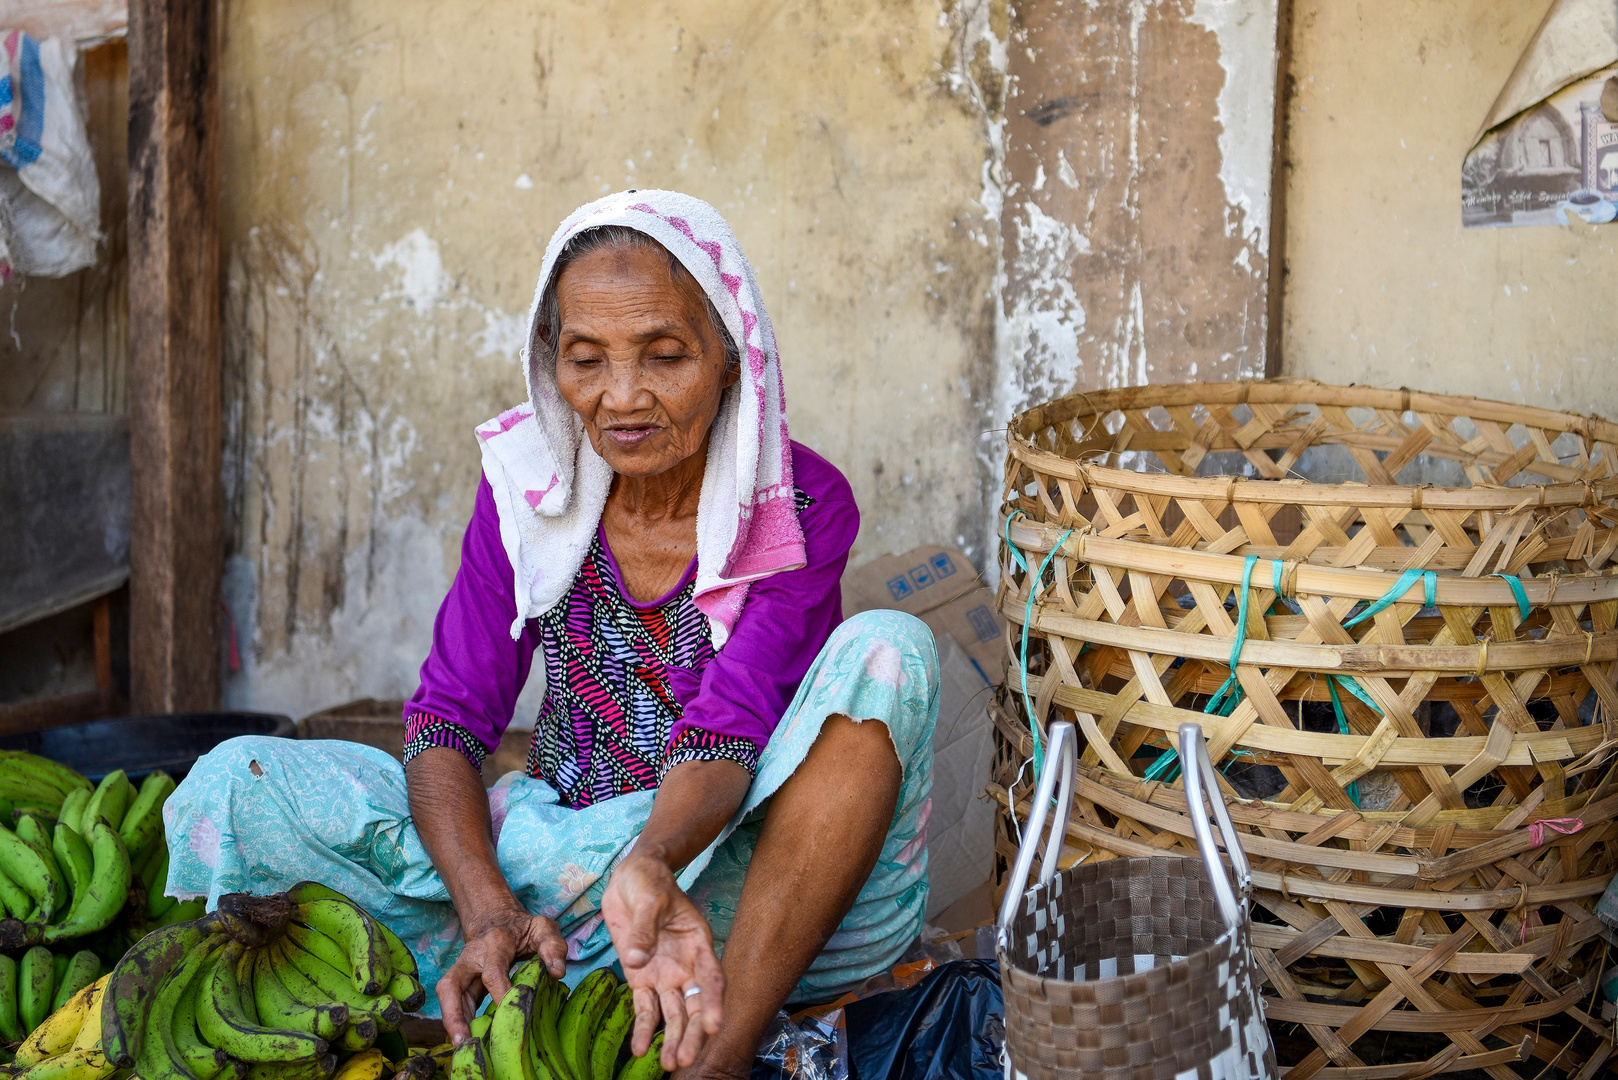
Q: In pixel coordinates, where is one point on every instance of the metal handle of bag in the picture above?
(1200, 779)
(1061, 765)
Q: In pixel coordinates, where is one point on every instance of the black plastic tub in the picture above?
(143, 744)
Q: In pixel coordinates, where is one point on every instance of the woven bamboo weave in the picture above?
(1393, 614)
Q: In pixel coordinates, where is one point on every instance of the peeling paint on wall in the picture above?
(1147, 260)
(1246, 33)
(1043, 325)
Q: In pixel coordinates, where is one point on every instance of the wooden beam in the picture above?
(174, 355)
(1280, 170)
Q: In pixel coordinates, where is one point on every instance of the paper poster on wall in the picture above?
(1555, 160)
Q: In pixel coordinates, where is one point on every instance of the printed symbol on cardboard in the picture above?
(943, 565)
(921, 577)
(900, 588)
(982, 621)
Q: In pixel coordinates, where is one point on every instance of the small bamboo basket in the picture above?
(1393, 614)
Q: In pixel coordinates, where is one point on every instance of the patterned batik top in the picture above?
(617, 674)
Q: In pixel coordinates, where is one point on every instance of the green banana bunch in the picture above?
(581, 1017)
(107, 892)
(132, 990)
(36, 983)
(302, 967)
(510, 1038)
(609, 1041)
(359, 939)
(65, 870)
(225, 1019)
(277, 1007)
(108, 803)
(28, 780)
(83, 968)
(32, 833)
(23, 865)
(71, 812)
(263, 988)
(11, 1029)
(143, 821)
(649, 1066)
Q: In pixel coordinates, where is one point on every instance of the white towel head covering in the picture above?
(550, 485)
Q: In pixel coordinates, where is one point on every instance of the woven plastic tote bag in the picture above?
(1131, 969)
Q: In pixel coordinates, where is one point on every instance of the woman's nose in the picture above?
(625, 389)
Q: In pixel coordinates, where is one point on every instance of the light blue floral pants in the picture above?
(258, 814)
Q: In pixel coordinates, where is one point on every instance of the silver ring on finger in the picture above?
(691, 992)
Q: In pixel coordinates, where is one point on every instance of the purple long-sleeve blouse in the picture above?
(631, 689)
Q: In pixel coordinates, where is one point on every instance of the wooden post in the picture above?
(174, 355)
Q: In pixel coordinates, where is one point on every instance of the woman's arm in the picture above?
(663, 942)
(469, 685)
(732, 713)
(451, 811)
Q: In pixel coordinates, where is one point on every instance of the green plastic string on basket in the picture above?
(1429, 583)
(1353, 789)
(1517, 591)
(1028, 617)
(1229, 693)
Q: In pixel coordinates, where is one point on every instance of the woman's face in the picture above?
(638, 358)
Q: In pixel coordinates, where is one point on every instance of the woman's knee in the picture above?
(247, 755)
(909, 636)
(897, 650)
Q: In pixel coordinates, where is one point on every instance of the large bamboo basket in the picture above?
(1428, 851)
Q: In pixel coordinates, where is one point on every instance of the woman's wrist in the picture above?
(656, 857)
(485, 918)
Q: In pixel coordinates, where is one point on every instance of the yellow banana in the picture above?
(60, 1030)
(365, 1065)
(73, 1065)
(89, 1037)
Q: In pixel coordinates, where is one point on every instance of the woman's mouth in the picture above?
(631, 436)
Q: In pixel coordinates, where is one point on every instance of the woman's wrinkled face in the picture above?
(638, 358)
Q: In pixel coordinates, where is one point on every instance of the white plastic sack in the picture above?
(50, 199)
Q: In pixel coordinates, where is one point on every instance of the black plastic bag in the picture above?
(949, 1026)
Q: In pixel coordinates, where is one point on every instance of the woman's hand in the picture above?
(666, 947)
(484, 965)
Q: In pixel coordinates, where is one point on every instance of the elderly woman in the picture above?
(706, 800)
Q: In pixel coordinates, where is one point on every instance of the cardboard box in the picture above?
(940, 587)
(916, 582)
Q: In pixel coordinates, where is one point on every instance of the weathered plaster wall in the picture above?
(1383, 285)
(392, 171)
(1137, 194)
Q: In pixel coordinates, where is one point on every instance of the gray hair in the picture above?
(548, 324)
